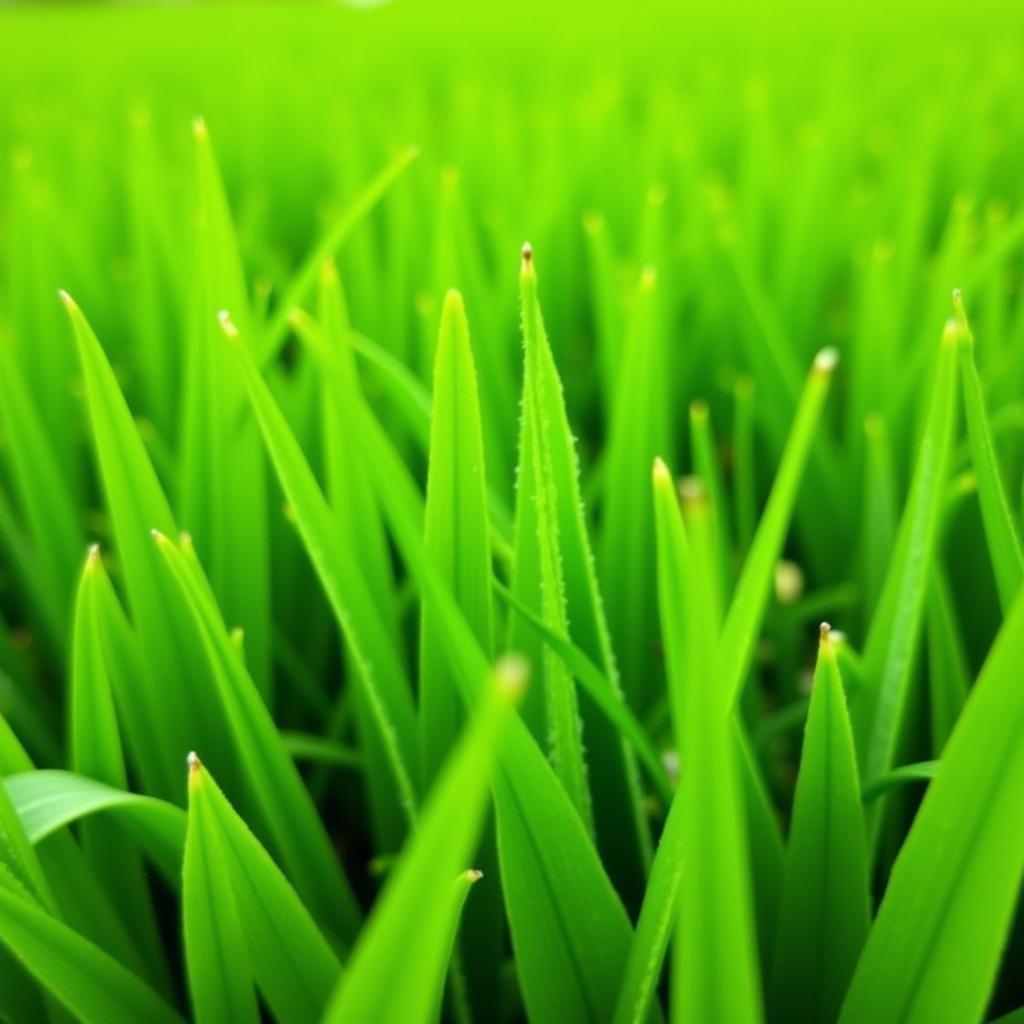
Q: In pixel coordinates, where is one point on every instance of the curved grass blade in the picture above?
(923, 771)
(379, 670)
(825, 911)
(291, 962)
(48, 799)
(743, 620)
(89, 982)
(936, 944)
(1000, 529)
(414, 920)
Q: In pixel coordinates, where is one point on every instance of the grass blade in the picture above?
(825, 911)
(414, 921)
(935, 945)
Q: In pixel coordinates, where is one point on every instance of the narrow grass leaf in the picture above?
(292, 963)
(414, 920)
(825, 911)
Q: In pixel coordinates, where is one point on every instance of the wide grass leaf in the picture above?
(934, 949)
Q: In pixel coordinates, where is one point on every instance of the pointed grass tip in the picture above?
(698, 411)
(199, 129)
(826, 360)
(473, 875)
(511, 673)
(951, 332)
(92, 558)
(527, 253)
(194, 764)
(692, 492)
(69, 303)
(227, 325)
(660, 473)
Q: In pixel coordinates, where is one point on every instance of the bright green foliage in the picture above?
(319, 444)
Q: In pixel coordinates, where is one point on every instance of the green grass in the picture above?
(402, 623)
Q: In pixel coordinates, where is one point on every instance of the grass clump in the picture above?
(400, 623)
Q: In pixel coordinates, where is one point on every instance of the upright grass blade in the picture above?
(706, 466)
(572, 944)
(1000, 529)
(457, 537)
(553, 558)
(223, 494)
(934, 949)
(639, 430)
(414, 921)
(273, 785)
(96, 752)
(742, 622)
(216, 955)
(825, 911)
(359, 523)
(715, 974)
(892, 640)
(291, 962)
(89, 982)
(948, 675)
(456, 530)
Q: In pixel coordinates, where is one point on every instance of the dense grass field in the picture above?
(511, 514)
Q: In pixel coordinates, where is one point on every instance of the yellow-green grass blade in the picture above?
(715, 972)
(741, 627)
(1000, 529)
(96, 752)
(378, 667)
(304, 279)
(571, 945)
(825, 911)
(414, 919)
(706, 465)
(272, 783)
(223, 492)
(292, 963)
(559, 545)
(217, 962)
(89, 982)
(878, 708)
(880, 512)
(936, 944)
